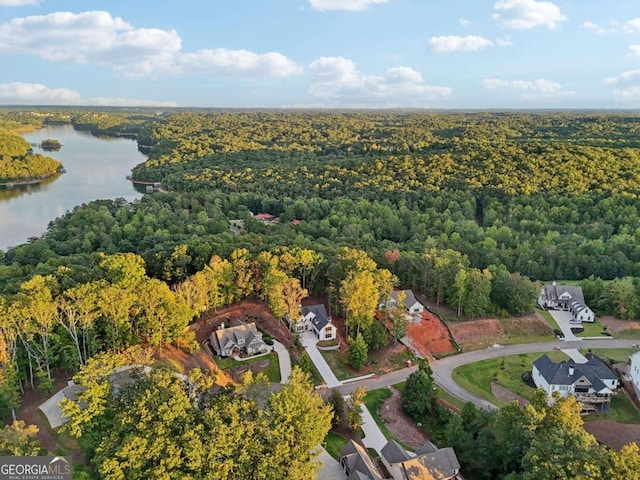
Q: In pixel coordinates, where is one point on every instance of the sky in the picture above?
(453, 54)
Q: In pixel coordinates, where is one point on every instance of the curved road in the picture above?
(443, 369)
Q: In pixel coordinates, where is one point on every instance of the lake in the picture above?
(96, 168)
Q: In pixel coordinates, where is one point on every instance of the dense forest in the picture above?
(468, 209)
(18, 162)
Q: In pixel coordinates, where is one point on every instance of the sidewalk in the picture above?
(284, 360)
(309, 340)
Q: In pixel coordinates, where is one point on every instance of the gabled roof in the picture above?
(428, 447)
(225, 337)
(554, 292)
(439, 465)
(409, 299)
(358, 460)
(394, 453)
(594, 371)
(320, 318)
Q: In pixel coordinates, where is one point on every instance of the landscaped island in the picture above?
(50, 144)
(19, 165)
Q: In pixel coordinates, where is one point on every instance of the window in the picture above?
(328, 336)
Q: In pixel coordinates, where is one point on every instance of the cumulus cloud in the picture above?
(626, 85)
(338, 80)
(350, 5)
(540, 88)
(504, 41)
(17, 3)
(98, 38)
(464, 22)
(524, 14)
(594, 27)
(453, 43)
(632, 26)
(635, 50)
(238, 62)
(15, 93)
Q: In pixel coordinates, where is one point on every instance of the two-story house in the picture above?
(314, 318)
(568, 298)
(239, 338)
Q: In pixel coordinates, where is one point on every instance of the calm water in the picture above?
(96, 168)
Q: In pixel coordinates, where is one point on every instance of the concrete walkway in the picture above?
(309, 340)
(575, 355)
(562, 318)
(373, 436)
(331, 469)
(284, 359)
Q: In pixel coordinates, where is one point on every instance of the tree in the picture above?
(19, 439)
(355, 404)
(398, 325)
(420, 396)
(357, 352)
(375, 336)
(336, 400)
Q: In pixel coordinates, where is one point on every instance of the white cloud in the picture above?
(626, 85)
(15, 93)
(18, 3)
(523, 14)
(632, 26)
(594, 27)
(337, 79)
(635, 50)
(238, 62)
(539, 86)
(351, 5)
(464, 22)
(453, 43)
(98, 38)
(504, 41)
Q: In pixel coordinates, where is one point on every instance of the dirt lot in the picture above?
(429, 338)
(616, 325)
(613, 434)
(399, 423)
(477, 334)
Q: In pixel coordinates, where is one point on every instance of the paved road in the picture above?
(443, 369)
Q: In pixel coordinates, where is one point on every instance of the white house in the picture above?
(634, 371)
(592, 383)
(568, 298)
(411, 305)
(240, 338)
(315, 318)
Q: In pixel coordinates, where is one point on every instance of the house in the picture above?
(315, 318)
(429, 463)
(634, 372)
(411, 305)
(591, 383)
(240, 338)
(357, 464)
(568, 298)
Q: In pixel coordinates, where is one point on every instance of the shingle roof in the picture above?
(558, 373)
(321, 319)
(394, 453)
(409, 299)
(222, 337)
(428, 447)
(439, 465)
(554, 292)
(359, 461)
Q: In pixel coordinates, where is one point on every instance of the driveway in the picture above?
(443, 368)
(562, 318)
(309, 340)
(373, 436)
(284, 359)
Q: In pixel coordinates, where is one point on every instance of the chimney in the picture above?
(554, 283)
(571, 370)
(221, 327)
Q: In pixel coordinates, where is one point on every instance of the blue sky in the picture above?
(322, 53)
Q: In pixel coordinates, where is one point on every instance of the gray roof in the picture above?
(221, 337)
(439, 465)
(558, 373)
(359, 462)
(394, 453)
(409, 299)
(321, 319)
(428, 447)
(554, 292)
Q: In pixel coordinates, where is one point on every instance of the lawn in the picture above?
(547, 316)
(333, 443)
(477, 377)
(616, 355)
(338, 363)
(525, 331)
(630, 333)
(591, 329)
(272, 370)
(622, 411)
(374, 400)
(316, 378)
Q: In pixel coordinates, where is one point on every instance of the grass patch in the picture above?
(272, 370)
(444, 395)
(477, 377)
(310, 368)
(522, 331)
(591, 329)
(622, 411)
(373, 453)
(333, 443)
(616, 355)
(338, 365)
(374, 400)
(631, 333)
(547, 316)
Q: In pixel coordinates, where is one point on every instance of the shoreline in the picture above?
(24, 182)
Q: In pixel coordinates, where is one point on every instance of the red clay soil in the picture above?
(399, 423)
(429, 338)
